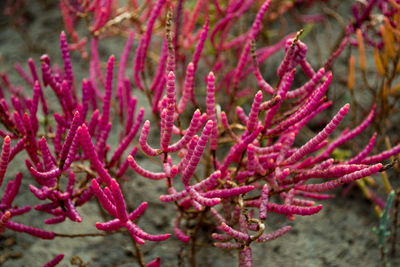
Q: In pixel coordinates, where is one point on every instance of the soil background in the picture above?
(340, 235)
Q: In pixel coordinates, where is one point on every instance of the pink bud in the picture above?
(145, 173)
(4, 158)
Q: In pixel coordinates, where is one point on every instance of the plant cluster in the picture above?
(375, 31)
(251, 163)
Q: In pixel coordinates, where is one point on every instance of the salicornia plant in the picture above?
(224, 168)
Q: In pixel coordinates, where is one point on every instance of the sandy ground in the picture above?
(340, 235)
